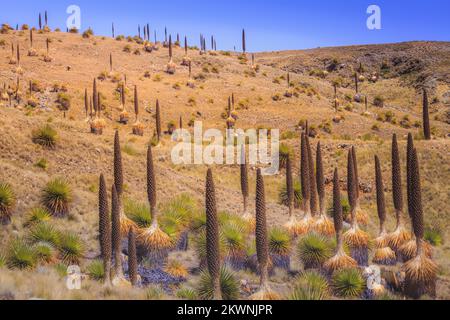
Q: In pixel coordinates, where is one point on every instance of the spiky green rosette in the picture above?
(400, 236)
(116, 235)
(132, 258)
(156, 241)
(384, 255)
(421, 271)
(262, 245)
(104, 229)
(212, 236)
(340, 260)
(357, 239)
(125, 222)
(323, 224)
(361, 216)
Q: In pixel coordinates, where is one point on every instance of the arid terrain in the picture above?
(397, 73)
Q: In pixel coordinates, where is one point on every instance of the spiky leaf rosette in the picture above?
(348, 283)
(426, 116)
(212, 236)
(311, 285)
(340, 260)
(132, 258)
(312, 179)
(56, 197)
(289, 186)
(229, 286)
(244, 179)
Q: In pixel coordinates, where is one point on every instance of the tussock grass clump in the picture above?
(348, 283)
(71, 248)
(20, 255)
(7, 203)
(45, 136)
(228, 286)
(310, 285)
(176, 269)
(45, 253)
(57, 197)
(187, 294)
(314, 250)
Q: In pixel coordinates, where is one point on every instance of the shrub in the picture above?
(127, 48)
(64, 101)
(120, 37)
(434, 236)
(283, 196)
(310, 286)
(314, 250)
(71, 248)
(348, 283)
(187, 294)
(45, 136)
(44, 252)
(228, 284)
(378, 101)
(21, 255)
(88, 33)
(96, 270)
(56, 197)
(279, 242)
(73, 30)
(7, 202)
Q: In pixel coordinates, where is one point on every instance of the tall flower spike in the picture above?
(104, 229)
(86, 102)
(320, 181)
(426, 116)
(351, 190)
(312, 180)
(136, 103)
(158, 120)
(212, 236)
(118, 173)
(304, 174)
(151, 183)
(381, 204)
(416, 198)
(244, 179)
(289, 186)
(132, 258)
(116, 236)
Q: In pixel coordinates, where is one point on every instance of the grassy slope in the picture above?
(81, 157)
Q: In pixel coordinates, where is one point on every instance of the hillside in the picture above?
(80, 157)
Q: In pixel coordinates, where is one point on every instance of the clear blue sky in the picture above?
(270, 24)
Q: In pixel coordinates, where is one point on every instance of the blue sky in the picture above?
(270, 24)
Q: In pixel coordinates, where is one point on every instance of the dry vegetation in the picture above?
(50, 162)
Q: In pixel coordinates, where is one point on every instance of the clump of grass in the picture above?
(176, 269)
(71, 248)
(433, 236)
(228, 284)
(21, 255)
(348, 283)
(154, 293)
(88, 33)
(42, 163)
(56, 197)
(130, 150)
(311, 285)
(7, 203)
(44, 252)
(187, 294)
(45, 136)
(95, 270)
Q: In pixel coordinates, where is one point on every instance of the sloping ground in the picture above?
(81, 157)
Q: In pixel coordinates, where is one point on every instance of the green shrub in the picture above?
(56, 197)
(348, 283)
(64, 101)
(228, 284)
(45, 136)
(138, 212)
(434, 236)
(44, 252)
(45, 233)
(310, 286)
(42, 163)
(279, 242)
(88, 33)
(187, 294)
(36, 216)
(313, 250)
